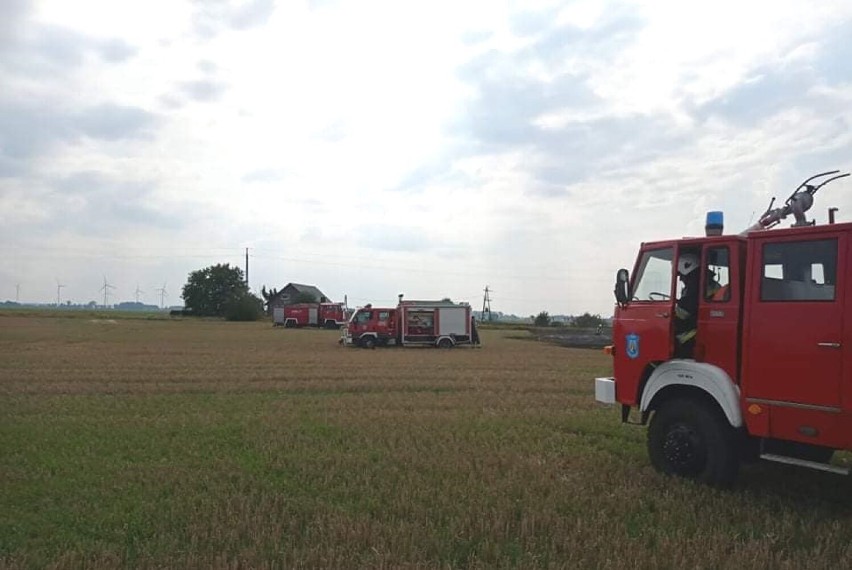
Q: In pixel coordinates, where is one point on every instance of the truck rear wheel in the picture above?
(445, 343)
(690, 439)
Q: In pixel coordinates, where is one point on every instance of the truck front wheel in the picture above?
(690, 439)
(368, 342)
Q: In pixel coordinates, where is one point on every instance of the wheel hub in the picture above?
(684, 450)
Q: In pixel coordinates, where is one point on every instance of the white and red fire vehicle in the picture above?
(443, 324)
(325, 315)
(770, 374)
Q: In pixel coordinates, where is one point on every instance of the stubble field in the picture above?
(205, 444)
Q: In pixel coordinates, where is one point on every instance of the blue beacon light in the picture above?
(715, 223)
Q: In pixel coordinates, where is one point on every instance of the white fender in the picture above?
(707, 377)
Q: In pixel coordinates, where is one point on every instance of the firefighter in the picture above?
(715, 291)
(713, 285)
(686, 308)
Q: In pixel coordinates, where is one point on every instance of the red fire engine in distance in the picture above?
(442, 324)
(325, 315)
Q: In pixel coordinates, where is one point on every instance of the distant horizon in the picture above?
(116, 307)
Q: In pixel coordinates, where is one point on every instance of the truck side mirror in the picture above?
(622, 284)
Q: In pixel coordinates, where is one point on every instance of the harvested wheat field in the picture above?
(205, 444)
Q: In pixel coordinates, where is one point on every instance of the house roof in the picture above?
(309, 289)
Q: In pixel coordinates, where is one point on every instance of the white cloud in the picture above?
(375, 147)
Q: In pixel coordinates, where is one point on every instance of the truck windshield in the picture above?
(362, 317)
(653, 280)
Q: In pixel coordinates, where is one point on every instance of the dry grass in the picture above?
(152, 443)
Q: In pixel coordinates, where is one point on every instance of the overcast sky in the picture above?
(377, 147)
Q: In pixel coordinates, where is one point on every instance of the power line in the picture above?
(528, 274)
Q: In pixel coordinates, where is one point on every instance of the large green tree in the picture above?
(210, 291)
(542, 319)
(588, 321)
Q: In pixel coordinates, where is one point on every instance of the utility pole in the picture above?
(486, 304)
(247, 282)
(17, 292)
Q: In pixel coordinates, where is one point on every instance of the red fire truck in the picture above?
(326, 315)
(763, 366)
(412, 323)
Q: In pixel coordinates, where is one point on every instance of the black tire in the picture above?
(368, 342)
(445, 343)
(690, 439)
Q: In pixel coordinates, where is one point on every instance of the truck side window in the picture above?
(799, 271)
(717, 272)
(384, 315)
(653, 280)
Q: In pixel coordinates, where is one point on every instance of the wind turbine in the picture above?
(138, 290)
(106, 289)
(59, 287)
(162, 292)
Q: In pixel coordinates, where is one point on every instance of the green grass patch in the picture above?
(209, 444)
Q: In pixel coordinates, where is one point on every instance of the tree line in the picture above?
(221, 291)
(584, 321)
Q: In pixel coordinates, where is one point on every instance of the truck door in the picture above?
(385, 324)
(642, 333)
(719, 309)
(792, 355)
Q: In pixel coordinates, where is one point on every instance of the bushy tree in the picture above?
(268, 296)
(588, 321)
(209, 290)
(542, 319)
(244, 307)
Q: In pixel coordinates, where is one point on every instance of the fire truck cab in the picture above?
(767, 370)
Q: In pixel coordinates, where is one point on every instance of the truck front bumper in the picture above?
(605, 390)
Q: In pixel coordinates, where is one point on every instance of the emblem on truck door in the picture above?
(633, 345)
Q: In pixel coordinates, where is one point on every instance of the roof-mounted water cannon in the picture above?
(799, 202)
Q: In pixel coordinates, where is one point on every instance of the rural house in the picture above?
(293, 293)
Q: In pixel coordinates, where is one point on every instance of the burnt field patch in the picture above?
(138, 443)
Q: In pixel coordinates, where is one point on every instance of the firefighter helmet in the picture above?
(687, 263)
